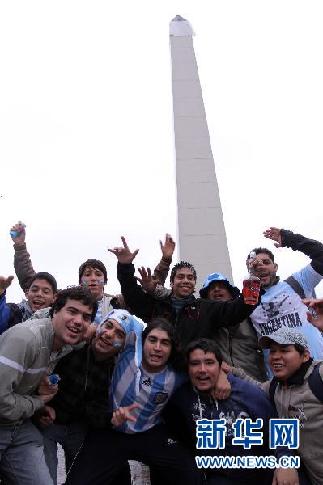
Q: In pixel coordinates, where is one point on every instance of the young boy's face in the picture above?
(40, 294)
(156, 350)
(93, 279)
(284, 360)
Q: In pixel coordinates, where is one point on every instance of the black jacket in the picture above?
(187, 406)
(199, 318)
(83, 389)
(310, 247)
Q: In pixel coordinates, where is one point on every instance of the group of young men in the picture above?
(140, 372)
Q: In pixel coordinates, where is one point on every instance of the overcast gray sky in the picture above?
(86, 134)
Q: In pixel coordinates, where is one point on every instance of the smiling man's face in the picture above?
(265, 269)
(70, 323)
(285, 360)
(184, 283)
(203, 369)
(110, 339)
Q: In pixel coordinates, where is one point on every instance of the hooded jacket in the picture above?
(187, 405)
(296, 400)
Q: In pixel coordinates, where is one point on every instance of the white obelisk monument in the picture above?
(201, 232)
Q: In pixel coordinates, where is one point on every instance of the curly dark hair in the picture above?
(182, 264)
(78, 293)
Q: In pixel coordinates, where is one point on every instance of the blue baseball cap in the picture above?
(211, 278)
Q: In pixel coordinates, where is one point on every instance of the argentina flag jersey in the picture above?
(155, 389)
(132, 384)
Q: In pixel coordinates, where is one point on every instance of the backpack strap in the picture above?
(315, 382)
(272, 388)
(293, 283)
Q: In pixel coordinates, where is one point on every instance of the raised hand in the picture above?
(315, 311)
(252, 262)
(124, 255)
(274, 234)
(20, 230)
(147, 281)
(5, 282)
(168, 247)
(121, 415)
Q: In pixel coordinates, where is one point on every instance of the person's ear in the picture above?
(306, 356)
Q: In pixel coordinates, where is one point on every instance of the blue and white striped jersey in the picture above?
(131, 383)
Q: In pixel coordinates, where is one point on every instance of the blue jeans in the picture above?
(70, 437)
(22, 458)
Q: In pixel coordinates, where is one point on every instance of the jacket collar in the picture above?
(277, 279)
(297, 379)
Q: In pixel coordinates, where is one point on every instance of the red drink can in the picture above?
(251, 290)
